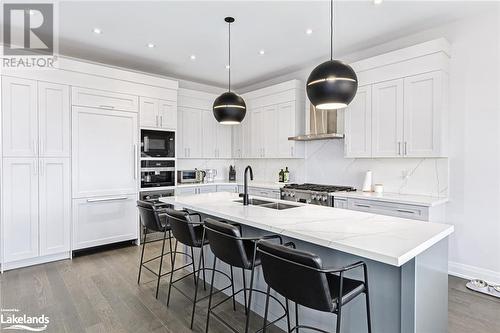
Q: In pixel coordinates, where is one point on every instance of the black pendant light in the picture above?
(332, 84)
(229, 108)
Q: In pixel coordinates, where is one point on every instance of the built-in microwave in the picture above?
(157, 143)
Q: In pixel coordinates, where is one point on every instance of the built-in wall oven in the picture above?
(157, 173)
(157, 143)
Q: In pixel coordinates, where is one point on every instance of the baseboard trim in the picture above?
(35, 261)
(472, 272)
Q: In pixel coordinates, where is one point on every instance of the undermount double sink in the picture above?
(267, 204)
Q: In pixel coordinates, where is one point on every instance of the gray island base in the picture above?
(408, 278)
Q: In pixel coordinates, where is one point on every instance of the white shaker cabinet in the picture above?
(104, 99)
(54, 120)
(387, 119)
(209, 135)
(104, 152)
(54, 205)
(148, 110)
(358, 124)
(19, 117)
(157, 113)
(424, 116)
(286, 124)
(104, 220)
(190, 132)
(20, 208)
(223, 141)
(269, 126)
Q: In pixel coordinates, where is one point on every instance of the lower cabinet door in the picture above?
(104, 220)
(20, 208)
(186, 190)
(54, 205)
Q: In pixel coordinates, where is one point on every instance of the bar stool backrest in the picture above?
(227, 244)
(295, 275)
(149, 216)
(182, 227)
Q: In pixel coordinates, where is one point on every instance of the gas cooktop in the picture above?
(318, 188)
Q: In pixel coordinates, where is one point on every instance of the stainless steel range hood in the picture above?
(323, 125)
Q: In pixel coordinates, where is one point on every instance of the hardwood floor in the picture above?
(99, 293)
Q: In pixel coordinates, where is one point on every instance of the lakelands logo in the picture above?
(12, 319)
(28, 35)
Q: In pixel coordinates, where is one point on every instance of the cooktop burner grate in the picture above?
(319, 188)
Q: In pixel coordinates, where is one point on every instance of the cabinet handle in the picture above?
(399, 148)
(406, 148)
(135, 161)
(161, 121)
(405, 211)
(106, 199)
(291, 151)
(107, 107)
(156, 120)
(362, 206)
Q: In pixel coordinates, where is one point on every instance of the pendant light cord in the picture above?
(331, 29)
(229, 62)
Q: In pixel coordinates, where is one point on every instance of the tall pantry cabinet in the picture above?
(36, 188)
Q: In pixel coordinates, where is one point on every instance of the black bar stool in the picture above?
(190, 233)
(300, 276)
(228, 245)
(153, 219)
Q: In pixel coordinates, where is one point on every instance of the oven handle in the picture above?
(146, 143)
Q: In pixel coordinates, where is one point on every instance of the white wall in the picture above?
(473, 180)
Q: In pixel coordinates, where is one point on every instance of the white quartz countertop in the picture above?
(385, 239)
(411, 199)
(267, 185)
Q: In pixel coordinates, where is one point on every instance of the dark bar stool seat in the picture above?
(228, 246)
(191, 234)
(154, 219)
(300, 277)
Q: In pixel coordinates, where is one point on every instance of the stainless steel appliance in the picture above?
(157, 173)
(157, 143)
(190, 176)
(210, 175)
(312, 193)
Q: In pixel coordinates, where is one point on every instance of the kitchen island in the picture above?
(407, 260)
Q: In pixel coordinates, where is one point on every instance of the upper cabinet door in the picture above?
(104, 157)
(424, 109)
(358, 124)
(54, 120)
(387, 119)
(209, 138)
(19, 117)
(256, 133)
(55, 205)
(286, 129)
(20, 208)
(167, 113)
(223, 141)
(104, 99)
(148, 110)
(190, 130)
(269, 125)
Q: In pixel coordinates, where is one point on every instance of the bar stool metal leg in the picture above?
(194, 268)
(161, 262)
(171, 274)
(232, 288)
(142, 256)
(297, 317)
(200, 263)
(266, 310)
(367, 300)
(250, 297)
(244, 290)
(210, 295)
(287, 315)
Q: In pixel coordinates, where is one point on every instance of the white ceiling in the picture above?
(182, 28)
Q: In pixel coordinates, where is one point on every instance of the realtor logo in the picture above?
(28, 29)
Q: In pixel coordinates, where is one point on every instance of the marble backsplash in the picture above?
(325, 164)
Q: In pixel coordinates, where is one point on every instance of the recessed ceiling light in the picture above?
(261, 52)
(151, 45)
(227, 66)
(377, 2)
(97, 31)
(192, 57)
(309, 31)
